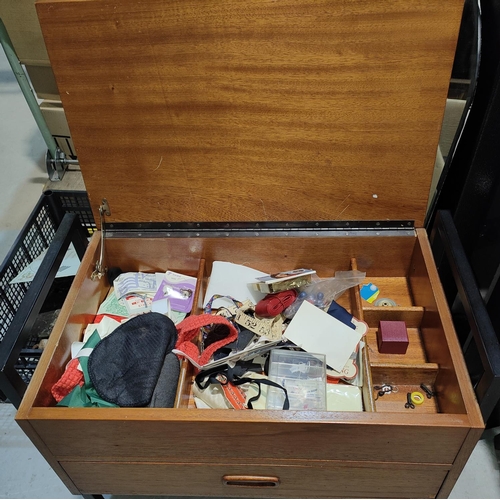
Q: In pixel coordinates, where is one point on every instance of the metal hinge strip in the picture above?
(264, 226)
(99, 268)
(250, 229)
(250, 234)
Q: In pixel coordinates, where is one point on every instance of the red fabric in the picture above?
(71, 377)
(188, 329)
(100, 317)
(275, 303)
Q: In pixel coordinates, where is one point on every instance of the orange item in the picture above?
(233, 393)
(71, 377)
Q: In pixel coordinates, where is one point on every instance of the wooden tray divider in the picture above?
(183, 385)
(183, 396)
(395, 401)
(412, 316)
(357, 312)
(407, 378)
(397, 374)
(356, 305)
(366, 389)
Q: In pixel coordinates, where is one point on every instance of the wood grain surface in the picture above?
(203, 480)
(412, 316)
(424, 277)
(133, 434)
(415, 354)
(197, 110)
(463, 456)
(378, 257)
(438, 335)
(395, 401)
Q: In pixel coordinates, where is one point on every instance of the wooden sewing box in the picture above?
(277, 135)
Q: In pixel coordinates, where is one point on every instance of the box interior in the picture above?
(396, 264)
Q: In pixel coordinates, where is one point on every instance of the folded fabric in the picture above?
(213, 394)
(244, 338)
(227, 376)
(166, 386)
(85, 395)
(71, 377)
(125, 366)
(104, 324)
(189, 329)
(275, 303)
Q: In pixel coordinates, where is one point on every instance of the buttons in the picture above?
(384, 389)
(413, 398)
(409, 403)
(417, 398)
(385, 302)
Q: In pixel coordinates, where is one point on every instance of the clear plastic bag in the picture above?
(323, 291)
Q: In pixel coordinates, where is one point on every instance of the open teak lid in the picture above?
(262, 110)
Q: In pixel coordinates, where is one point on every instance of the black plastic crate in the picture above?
(21, 303)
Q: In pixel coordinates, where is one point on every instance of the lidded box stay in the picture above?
(263, 110)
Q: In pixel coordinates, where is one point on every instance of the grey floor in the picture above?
(22, 170)
(23, 471)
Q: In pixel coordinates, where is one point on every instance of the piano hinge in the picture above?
(264, 228)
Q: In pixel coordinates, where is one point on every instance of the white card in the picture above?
(233, 280)
(69, 267)
(317, 332)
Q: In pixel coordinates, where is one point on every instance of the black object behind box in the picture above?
(18, 357)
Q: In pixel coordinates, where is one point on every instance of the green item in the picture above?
(86, 395)
(113, 306)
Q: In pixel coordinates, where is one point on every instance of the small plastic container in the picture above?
(303, 375)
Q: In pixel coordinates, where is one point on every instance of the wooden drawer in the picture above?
(134, 434)
(378, 452)
(262, 480)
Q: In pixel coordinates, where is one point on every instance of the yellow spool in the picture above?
(417, 398)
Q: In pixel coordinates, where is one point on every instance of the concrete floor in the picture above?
(23, 471)
(22, 163)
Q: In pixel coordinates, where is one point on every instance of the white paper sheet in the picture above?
(136, 283)
(69, 266)
(104, 328)
(316, 331)
(233, 280)
(343, 398)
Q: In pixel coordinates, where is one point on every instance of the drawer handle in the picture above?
(251, 481)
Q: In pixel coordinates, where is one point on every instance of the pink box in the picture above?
(392, 337)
